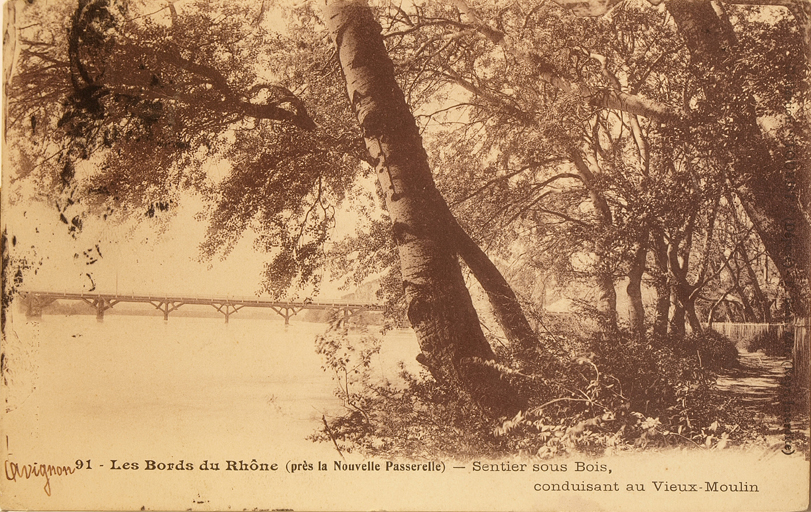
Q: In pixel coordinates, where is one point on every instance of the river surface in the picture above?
(139, 387)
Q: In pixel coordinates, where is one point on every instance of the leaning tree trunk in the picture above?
(505, 305)
(439, 306)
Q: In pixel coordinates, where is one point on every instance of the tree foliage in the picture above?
(130, 109)
(648, 147)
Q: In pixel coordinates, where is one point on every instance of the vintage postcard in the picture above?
(405, 255)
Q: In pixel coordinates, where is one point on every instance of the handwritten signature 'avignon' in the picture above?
(28, 471)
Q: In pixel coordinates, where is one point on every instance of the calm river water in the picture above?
(136, 387)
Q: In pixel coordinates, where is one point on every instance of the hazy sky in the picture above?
(136, 258)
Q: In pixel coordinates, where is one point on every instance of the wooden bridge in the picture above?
(35, 301)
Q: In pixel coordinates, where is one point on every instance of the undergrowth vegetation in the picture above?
(772, 343)
(606, 392)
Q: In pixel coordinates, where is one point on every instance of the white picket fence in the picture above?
(742, 333)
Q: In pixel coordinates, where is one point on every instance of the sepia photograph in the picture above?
(547, 255)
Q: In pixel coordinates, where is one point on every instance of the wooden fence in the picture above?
(802, 356)
(743, 333)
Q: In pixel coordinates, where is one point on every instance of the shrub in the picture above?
(655, 377)
(619, 390)
(616, 390)
(772, 343)
(715, 351)
(413, 417)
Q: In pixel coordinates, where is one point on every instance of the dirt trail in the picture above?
(757, 385)
(757, 381)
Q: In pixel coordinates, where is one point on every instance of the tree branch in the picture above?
(515, 173)
(597, 97)
(298, 116)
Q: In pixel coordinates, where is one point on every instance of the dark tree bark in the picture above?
(636, 312)
(439, 306)
(677, 319)
(662, 306)
(661, 285)
(684, 293)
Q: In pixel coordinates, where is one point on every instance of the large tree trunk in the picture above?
(767, 185)
(684, 293)
(439, 306)
(677, 320)
(662, 286)
(505, 305)
(692, 316)
(636, 310)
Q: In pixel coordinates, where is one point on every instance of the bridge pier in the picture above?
(285, 311)
(34, 304)
(101, 305)
(227, 309)
(349, 312)
(166, 307)
(344, 313)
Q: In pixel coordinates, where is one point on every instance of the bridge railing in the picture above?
(226, 305)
